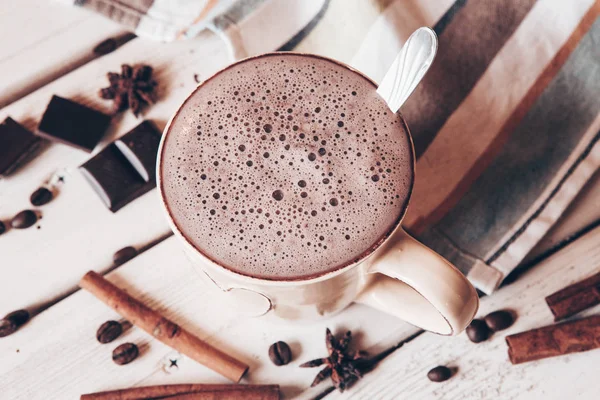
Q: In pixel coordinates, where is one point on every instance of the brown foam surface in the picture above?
(286, 167)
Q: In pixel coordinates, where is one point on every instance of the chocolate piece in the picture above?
(499, 320)
(24, 219)
(113, 178)
(140, 147)
(2, 227)
(118, 173)
(439, 374)
(478, 331)
(575, 298)
(554, 340)
(124, 255)
(71, 123)
(16, 143)
(40, 197)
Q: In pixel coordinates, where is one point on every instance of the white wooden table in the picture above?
(56, 356)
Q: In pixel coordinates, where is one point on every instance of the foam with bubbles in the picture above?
(286, 167)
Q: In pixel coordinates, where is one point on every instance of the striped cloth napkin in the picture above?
(168, 20)
(506, 123)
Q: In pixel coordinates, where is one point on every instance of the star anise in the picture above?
(132, 88)
(343, 366)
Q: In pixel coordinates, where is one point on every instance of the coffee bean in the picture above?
(499, 320)
(13, 321)
(439, 374)
(124, 255)
(24, 219)
(2, 228)
(20, 317)
(478, 331)
(40, 197)
(109, 331)
(105, 47)
(125, 353)
(280, 353)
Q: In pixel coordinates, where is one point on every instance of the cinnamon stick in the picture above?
(575, 298)
(555, 340)
(232, 394)
(163, 329)
(190, 391)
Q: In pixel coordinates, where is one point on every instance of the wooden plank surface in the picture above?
(77, 231)
(202, 56)
(56, 355)
(43, 39)
(484, 371)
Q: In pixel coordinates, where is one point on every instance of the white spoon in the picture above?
(408, 68)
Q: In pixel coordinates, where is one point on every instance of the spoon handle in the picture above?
(408, 68)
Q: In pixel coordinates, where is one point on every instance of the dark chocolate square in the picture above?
(114, 179)
(125, 169)
(140, 147)
(74, 124)
(16, 143)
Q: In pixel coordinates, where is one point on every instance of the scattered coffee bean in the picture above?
(40, 197)
(107, 46)
(499, 320)
(109, 331)
(2, 228)
(111, 44)
(20, 317)
(13, 321)
(439, 374)
(125, 353)
(478, 331)
(124, 255)
(280, 353)
(24, 219)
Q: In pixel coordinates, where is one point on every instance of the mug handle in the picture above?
(412, 282)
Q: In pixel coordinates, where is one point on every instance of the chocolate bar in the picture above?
(140, 147)
(16, 143)
(71, 123)
(124, 170)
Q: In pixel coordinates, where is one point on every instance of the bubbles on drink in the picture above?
(286, 167)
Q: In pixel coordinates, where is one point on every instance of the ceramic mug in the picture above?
(401, 277)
